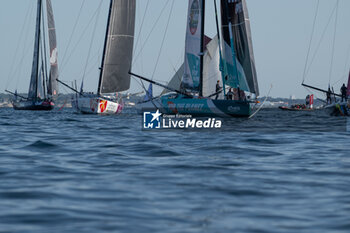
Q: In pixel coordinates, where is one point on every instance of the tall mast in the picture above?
(37, 46)
(202, 48)
(104, 48)
(222, 65)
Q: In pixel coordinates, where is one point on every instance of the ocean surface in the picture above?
(278, 172)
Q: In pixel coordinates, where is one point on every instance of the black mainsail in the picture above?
(33, 87)
(238, 46)
(117, 56)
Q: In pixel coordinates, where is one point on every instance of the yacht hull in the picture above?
(338, 109)
(96, 105)
(201, 107)
(34, 106)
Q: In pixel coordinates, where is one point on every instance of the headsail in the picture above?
(234, 13)
(33, 87)
(211, 70)
(52, 87)
(117, 57)
(175, 82)
(194, 36)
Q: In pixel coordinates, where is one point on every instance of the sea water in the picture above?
(278, 172)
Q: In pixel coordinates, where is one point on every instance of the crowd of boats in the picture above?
(218, 76)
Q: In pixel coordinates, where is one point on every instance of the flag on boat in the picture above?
(311, 101)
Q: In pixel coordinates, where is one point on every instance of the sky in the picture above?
(281, 31)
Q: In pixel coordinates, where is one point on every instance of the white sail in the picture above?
(175, 82)
(52, 85)
(211, 67)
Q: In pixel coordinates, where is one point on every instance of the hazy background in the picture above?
(281, 31)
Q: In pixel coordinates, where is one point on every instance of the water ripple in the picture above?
(278, 172)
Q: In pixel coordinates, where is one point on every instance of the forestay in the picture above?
(348, 92)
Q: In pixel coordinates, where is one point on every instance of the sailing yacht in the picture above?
(228, 62)
(116, 62)
(340, 108)
(43, 86)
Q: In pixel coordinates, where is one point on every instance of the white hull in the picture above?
(96, 105)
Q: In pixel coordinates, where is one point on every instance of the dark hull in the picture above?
(34, 106)
(339, 109)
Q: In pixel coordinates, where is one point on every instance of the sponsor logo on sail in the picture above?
(194, 17)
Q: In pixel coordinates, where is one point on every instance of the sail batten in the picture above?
(117, 57)
(241, 70)
(52, 87)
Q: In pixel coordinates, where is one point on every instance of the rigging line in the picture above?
(175, 70)
(262, 105)
(342, 78)
(150, 33)
(79, 40)
(311, 39)
(42, 70)
(95, 63)
(136, 80)
(162, 44)
(92, 41)
(346, 68)
(141, 27)
(334, 40)
(45, 47)
(74, 28)
(25, 52)
(151, 99)
(11, 72)
(320, 42)
(93, 66)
